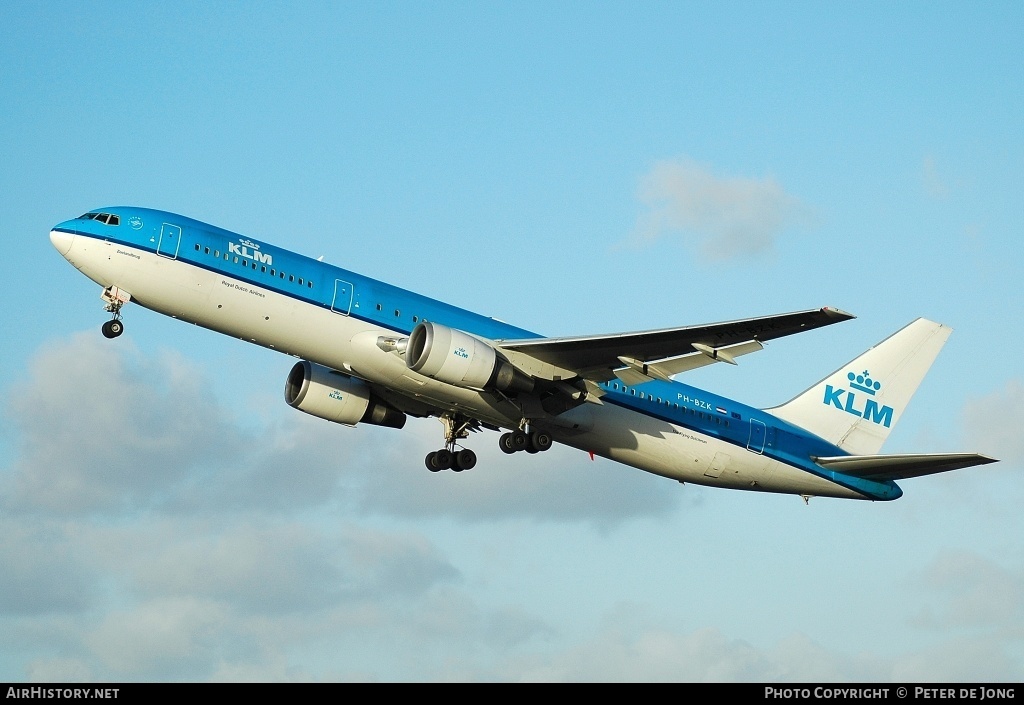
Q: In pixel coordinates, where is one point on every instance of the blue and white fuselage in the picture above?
(363, 331)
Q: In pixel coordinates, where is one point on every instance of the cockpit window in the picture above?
(106, 218)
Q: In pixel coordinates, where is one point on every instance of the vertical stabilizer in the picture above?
(858, 405)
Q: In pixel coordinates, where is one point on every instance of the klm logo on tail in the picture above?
(847, 399)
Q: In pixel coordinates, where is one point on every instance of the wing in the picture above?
(900, 467)
(599, 357)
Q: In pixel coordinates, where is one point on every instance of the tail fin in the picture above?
(857, 405)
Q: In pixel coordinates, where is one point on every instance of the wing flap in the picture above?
(901, 466)
(638, 372)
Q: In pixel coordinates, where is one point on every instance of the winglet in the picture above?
(837, 312)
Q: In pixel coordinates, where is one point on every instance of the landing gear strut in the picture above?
(115, 298)
(450, 458)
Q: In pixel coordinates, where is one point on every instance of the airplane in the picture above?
(373, 353)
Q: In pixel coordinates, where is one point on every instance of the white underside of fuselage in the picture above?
(348, 344)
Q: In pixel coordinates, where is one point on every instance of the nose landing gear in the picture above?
(115, 298)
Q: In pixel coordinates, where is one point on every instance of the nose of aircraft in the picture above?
(61, 238)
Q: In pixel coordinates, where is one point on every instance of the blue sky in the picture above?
(568, 168)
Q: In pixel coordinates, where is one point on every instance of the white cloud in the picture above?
(279, 567)
(44, 571)
(169, 638)
(249, 552)
(635, 646)
(190, 547)
(724, 218)
(59, 670)
(978, 595)
(992, 422)
(105, 429)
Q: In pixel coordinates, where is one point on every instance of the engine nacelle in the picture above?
(327, 394)
(449, 355)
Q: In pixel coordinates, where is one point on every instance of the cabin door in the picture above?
(757, 434)
(170, 238)
(343, 293)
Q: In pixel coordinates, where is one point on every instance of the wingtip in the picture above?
(837, 313)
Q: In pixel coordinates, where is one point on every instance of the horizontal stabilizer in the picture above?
(900, 467)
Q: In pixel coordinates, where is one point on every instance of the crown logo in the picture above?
(863, 382)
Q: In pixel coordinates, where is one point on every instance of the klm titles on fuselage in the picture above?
(870, 409)
(250, 250)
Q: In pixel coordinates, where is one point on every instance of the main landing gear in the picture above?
(456, 427)
(449, 457)
(115, 298)
(531, 442)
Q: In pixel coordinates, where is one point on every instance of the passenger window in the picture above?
(300, 281)
(207, 250)
(263, 269)
(291, 277)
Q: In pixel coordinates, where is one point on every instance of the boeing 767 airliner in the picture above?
(371, 352)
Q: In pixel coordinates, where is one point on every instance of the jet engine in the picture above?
(452, 356)
(331, 395)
